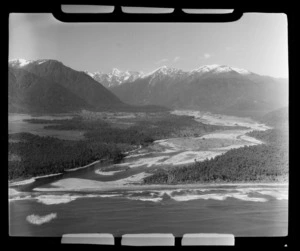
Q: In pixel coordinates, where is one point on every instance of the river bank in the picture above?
(134, 183)
(163, 153)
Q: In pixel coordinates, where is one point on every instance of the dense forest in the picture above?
(265, 162)
(31, 155)
(48, 155)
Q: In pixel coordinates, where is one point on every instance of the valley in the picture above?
(156, 146)
(206, 138)
(107, 190)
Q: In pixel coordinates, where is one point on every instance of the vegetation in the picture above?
(267, 162)
(143, 129)
(48, 155)
(32, 155)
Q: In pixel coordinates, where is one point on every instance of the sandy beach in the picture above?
(76, 184)
(167, 152)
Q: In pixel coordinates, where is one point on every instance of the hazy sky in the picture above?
(256, 42)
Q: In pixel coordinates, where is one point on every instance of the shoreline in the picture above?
(84, 185)
(82, 167)
(137, 186)
(30, 180)
(33, 179)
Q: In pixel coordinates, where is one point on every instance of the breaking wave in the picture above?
(254, 194)
(180, 195)
(39, 220)
(16, 198)
(157, 199)
(55, 199)
(67, 198)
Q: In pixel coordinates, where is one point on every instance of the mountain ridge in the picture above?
(215, 88)
(76, 88)
(109, 79)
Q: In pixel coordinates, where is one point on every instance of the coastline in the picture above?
(30, 180)
(33, 179)
(82, 167)
(133, 183)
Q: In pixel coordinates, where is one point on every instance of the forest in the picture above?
(265, 162)
(48, 155)
(32, 155)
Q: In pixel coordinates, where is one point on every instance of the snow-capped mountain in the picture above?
(217, 88)
(48, 85)
(165, 74)
(217, 69)
(19, 62)
(115, 77)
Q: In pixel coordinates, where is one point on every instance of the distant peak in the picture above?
(215, 68)
(115, 71)
(163, 67)
(162, 70)
(23, 62)
(20, 62)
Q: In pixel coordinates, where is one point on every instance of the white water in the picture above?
(98, 195)
(39, 220)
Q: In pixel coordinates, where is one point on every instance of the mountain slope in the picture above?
(215, 88)
(30, 93)
(63, 88)
(277, 118)
(116, 77)
(79, 83)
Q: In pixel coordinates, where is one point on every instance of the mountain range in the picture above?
(50, 86)
(216, 88)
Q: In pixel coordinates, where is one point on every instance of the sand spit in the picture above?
(23, 182)
(82, 167)
(46, 176)
(31, 180)
(109, 173)
(13, 192)
(76, 184)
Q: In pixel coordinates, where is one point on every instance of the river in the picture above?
(103, 198)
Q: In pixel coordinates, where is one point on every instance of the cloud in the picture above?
(207, 55)
(176, 59)
(162, 61)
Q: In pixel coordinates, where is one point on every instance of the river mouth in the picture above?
(165, 153)
(115, 196)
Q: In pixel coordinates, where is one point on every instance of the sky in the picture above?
(256, 42)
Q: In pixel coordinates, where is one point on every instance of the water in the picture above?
(131, 212)
(17, 123)
(54, 206)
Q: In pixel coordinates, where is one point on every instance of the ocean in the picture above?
(247, 211)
